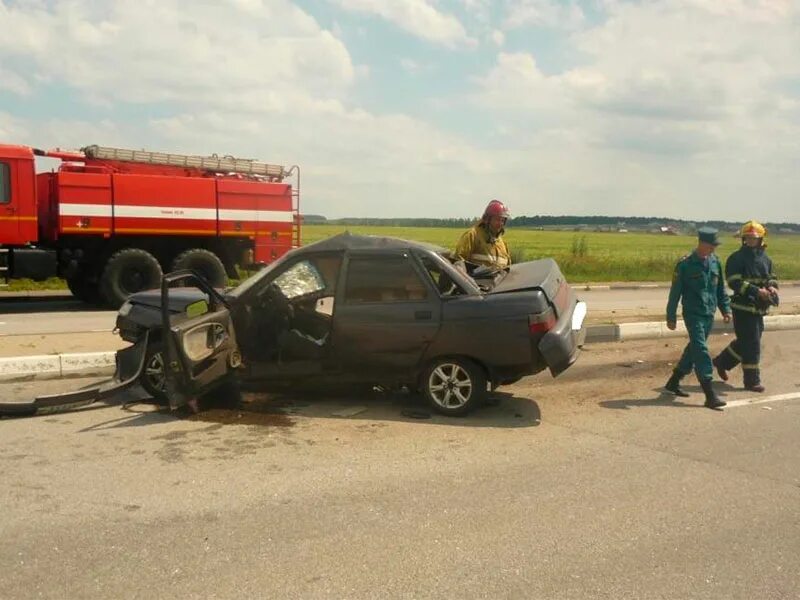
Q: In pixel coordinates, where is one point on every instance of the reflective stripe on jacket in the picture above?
(747, 270)
(478, 246)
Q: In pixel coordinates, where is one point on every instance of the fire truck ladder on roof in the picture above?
(216, 164)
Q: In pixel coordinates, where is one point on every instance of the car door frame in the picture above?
(433, 302)
(188, 378)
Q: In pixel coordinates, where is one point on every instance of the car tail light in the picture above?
(542, 322)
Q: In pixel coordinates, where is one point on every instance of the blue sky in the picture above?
(678, 108)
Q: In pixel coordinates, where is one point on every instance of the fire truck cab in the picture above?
(111, 221)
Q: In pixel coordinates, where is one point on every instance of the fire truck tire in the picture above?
(83, 290)
(204, 262)
(129, 271)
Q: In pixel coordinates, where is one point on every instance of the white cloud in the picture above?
(681, 107)
(498, 38)
(417, 17)
(11, 81)
(11, 128)
(152, 51)
(544, 13)
(689, 102)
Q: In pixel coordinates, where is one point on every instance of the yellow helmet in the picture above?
(753, 229)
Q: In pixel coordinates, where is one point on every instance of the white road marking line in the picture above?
(762, 400)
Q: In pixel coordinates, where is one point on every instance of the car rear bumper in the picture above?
(561, 345)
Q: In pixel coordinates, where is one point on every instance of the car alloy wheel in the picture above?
(153, 376)
(450, 386)
(454, 385)
(154, 371)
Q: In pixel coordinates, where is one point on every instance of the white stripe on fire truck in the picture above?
(168, 212)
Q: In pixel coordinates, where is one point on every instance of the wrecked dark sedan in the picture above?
(353, 309)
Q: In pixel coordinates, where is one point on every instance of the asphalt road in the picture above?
(594, 485)
(69, 316)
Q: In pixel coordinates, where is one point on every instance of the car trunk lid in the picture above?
(543, 275)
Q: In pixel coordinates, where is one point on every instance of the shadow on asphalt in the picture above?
(665, 399)
(281, 410)
(36, 305)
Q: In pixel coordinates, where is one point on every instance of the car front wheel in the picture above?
(454, 386)
(153, 377)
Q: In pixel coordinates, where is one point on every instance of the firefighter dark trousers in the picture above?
(746, 348)
(696, 354)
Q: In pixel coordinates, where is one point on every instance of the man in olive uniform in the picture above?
(755, 289)
(483, 244)
(698, 283)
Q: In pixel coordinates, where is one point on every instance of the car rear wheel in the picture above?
(454, 386)
(153, 377)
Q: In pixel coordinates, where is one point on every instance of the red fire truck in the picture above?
(110, 221)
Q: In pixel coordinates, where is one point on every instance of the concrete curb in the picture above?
(88, 364)
(56, 366)
(665, 285)
(650, 330)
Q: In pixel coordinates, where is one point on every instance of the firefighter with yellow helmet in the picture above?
(749, 274)
(483, 244)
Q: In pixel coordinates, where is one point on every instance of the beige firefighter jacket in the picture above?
(477, 246)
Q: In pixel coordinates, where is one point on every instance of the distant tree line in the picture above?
(550, 221)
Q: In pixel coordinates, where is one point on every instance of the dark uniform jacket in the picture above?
(747, 270)
(699, 286)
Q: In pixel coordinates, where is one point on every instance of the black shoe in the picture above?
(756, 387)
(673, 385)
(712, 400)
(723, 374)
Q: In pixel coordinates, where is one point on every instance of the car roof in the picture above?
(351, 241)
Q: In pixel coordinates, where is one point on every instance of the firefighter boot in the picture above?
(674, 385)
(721, 371)
(712, 400)
(752, 380)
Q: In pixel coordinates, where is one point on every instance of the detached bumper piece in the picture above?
(130, 363)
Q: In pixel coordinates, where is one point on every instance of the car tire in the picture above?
(205, 262)
(129, 271)
(153, 376)
(454, 386)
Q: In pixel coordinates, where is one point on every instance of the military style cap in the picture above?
(708, 235)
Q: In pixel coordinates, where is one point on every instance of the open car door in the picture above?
(200, 344)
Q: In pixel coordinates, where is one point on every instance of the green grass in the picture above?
(26, 285)
(585, 257)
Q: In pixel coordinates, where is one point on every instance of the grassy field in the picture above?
(590, 256)
(583, 257)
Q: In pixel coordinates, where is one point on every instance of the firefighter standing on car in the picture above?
(755, 289)
(483, 244)
(698, 283)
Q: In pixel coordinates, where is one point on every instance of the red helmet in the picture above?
(495, 208)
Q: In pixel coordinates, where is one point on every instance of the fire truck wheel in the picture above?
(83, 290)
(204, 262)
(129, 271)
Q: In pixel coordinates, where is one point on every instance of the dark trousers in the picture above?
(696, 354)
(746, 348)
